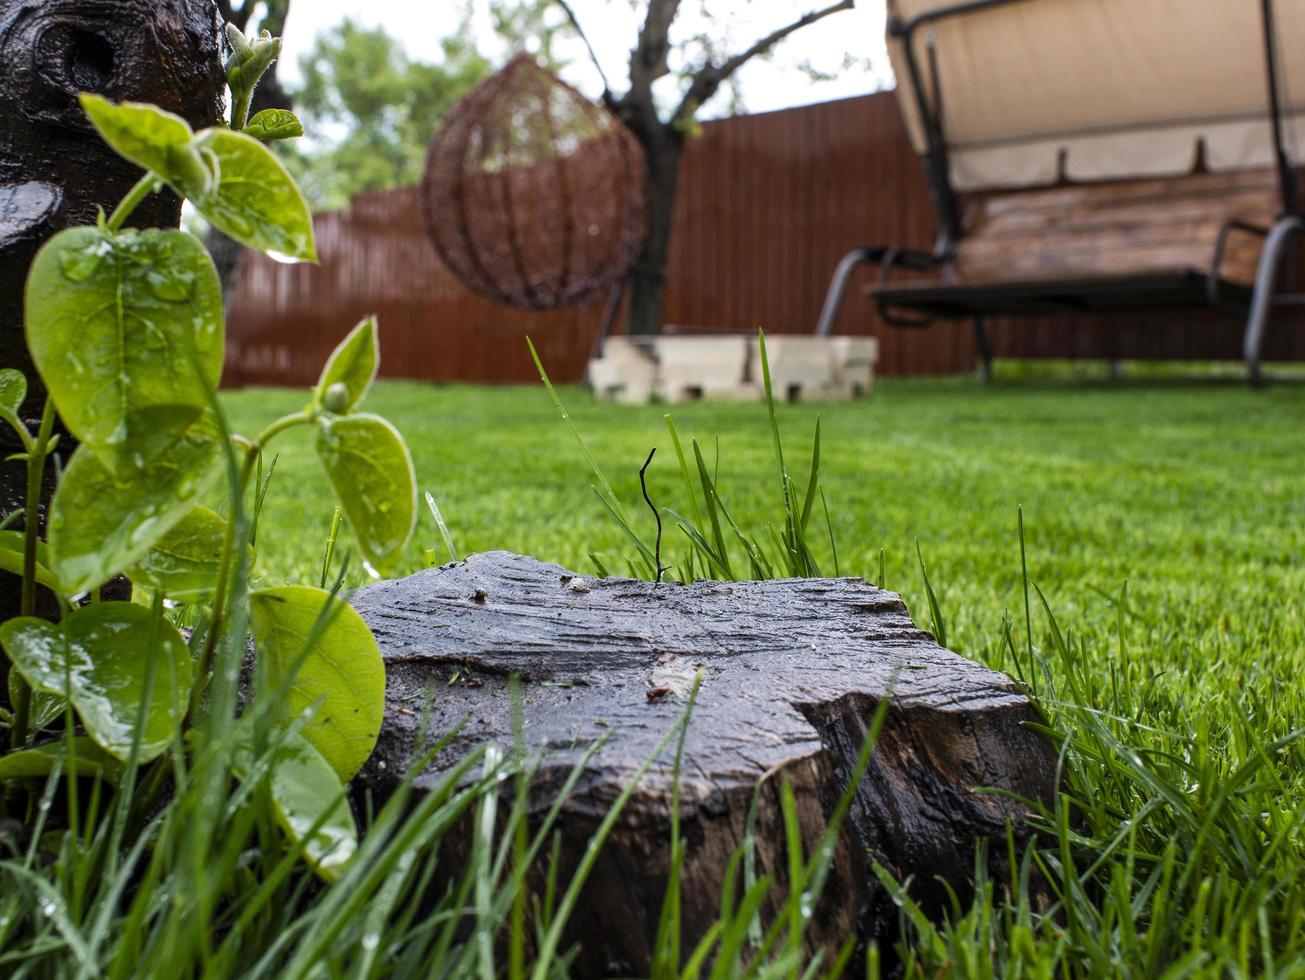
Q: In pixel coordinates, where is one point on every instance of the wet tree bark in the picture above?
(55, 172)
(663, 150)
(793, 672)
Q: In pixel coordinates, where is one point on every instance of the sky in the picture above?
(612, 25)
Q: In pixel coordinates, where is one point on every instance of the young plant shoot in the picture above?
(125, 328)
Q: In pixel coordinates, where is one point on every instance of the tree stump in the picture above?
(793, 672)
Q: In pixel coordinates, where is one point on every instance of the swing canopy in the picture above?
(1023, 93)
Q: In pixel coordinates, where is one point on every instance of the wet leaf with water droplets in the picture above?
(144, 134)
(255, 201)
(371, 472)
(274, 124)
(340, 670)
(102, 522)
(131, 352)
(98, 658)
(171, 283)
(303, 788)
(79, 264)
(13, 391)
(184, 564)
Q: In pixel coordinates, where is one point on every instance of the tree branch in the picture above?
(648, 60)
(593, 55)
(710, 78)
(239, 16)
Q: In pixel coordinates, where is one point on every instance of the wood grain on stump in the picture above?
(793, 672)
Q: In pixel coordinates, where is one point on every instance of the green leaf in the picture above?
(371, 472)
(256, 200)
(185, 563)
(12, 548)
(274, 124)
(102, 522)
(45, 707)
(98, 659)
(306, 792)
(151, 138)
(39, 762)
(353, 365)
(13, 391)
(340, 670)
(126, 332)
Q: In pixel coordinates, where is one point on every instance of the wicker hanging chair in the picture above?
(533, 195)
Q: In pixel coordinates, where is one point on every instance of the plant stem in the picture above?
(31, 535)
(279, 426)
(252, 453)
(240, 110)
(205, 664)
(20, 430)
(142, 189)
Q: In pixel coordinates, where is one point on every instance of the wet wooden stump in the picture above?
(793, 672)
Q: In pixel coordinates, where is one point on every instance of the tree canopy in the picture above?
(375, 107)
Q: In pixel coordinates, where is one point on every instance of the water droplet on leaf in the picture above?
(171, 285)
(80, 264)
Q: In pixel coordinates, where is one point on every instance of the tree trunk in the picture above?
(663, 149)
(793, 673)
(55, 172)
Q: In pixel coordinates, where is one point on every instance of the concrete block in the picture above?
(626, 372)
(706, 366)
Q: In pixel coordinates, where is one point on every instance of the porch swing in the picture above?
(1096, 156)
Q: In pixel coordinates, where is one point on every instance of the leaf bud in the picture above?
(336, 398)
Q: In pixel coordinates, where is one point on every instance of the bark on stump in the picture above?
(794, 670)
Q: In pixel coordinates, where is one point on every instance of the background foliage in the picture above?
(372, 109)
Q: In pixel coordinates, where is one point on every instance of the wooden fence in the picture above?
(768, 205)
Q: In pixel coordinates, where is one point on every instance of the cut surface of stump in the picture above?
(792, 673)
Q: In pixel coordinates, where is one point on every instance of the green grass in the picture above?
(1193, 494)
(1165, 524)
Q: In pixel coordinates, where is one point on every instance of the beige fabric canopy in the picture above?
(1037, 90)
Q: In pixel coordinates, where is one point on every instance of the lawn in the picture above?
(1164, 522)
(1192, 494)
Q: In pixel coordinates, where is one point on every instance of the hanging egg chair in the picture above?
(532, 194)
